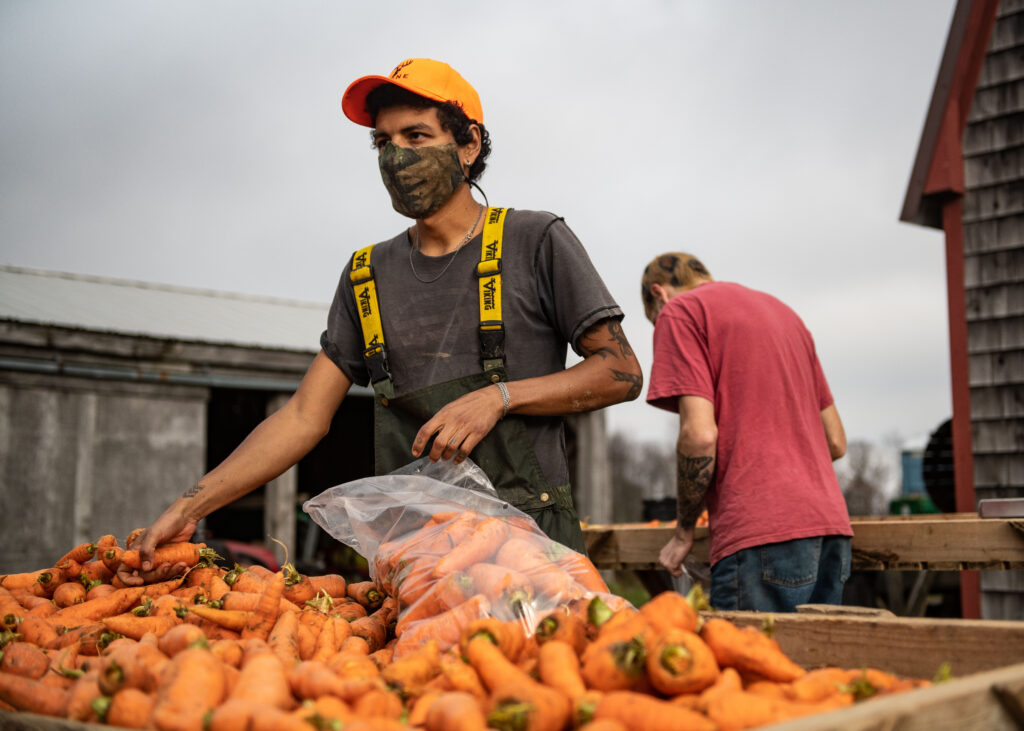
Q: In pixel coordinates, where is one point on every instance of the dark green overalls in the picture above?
(505, 454)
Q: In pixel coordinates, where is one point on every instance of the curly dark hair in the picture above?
(453, 119)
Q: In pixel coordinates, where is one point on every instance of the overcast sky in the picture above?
(202, 144)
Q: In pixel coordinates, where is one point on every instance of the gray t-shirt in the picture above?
(551, 294)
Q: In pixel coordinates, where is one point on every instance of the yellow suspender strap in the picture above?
(488, 272)
(365, 291)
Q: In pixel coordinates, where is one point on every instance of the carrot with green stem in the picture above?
(366, 593)
(508, 636)
(127, 708)
(614, 666)
(178, 639)
(189, 554)
(749, 651)
(561, 625)
(678, 661)
(528, 706)
(37, 630)
(668, 610)
(232, 619)
(81, 695)
(80, 554)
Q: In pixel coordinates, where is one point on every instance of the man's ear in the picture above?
(660, 293)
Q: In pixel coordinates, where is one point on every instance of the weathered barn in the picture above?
(116, 396)
(968, 179)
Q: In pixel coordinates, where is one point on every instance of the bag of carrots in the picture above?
(439, 539)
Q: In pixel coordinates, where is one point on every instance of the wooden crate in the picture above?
(948, 542)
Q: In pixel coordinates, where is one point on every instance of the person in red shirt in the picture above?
(758, 430)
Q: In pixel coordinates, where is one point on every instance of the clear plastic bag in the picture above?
(441, 541)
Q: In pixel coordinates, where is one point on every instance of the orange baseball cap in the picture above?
(423, 76)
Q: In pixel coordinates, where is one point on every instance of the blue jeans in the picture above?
(777, 577)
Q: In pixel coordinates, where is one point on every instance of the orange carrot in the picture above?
(265, 615)
(749, 650)
(461, 676)
(559, 668)
(26, 694)
(311, 680)
(133, 537)
(95, 571)
(178, 639)
(508, 636)
(615, 665)
(678, 661)
(445, 628)
(494, 669)
(579, 567)
(561, 625)
(92, 611)
(329, 584)
(409, 674)
(131, 626)
(129, 708)
(228, 651)
(231, 619)
(193, 685)
(24, 659)
(263, 680)
(248, 601)
(326, 644)
(68, 593)
(350, 611)
(818, 684)
(81, 695)
(669, 609)
(99, 590)
(485, 539)
(284, 639)
(79, 554)
(354, 645)
(371, 629)
(378, 703)
(500, 584)
(641, 711)
(530, 706)
(366, 593)
(37, 630)
(170, 553)
(111, 558)
(245, 581)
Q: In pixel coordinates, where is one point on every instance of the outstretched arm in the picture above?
(281, 440)
(695, 473)
(608, 374)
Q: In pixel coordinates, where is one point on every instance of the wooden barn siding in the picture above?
(993, 218)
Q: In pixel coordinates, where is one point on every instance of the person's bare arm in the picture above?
(281, 440)
(695, 473)
(835, 435)
(608, 374)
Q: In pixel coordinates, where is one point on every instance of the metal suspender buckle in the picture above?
(492, 339)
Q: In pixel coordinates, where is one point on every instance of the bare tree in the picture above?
(865, 476)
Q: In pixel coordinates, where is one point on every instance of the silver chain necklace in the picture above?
(451, 257)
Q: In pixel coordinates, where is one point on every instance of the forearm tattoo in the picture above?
(193, 491)
(694, 477)
(635, 382)
(615, 330)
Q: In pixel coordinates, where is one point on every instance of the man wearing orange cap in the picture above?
(460, 323)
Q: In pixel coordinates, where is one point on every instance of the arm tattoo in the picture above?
(694, 477)
(194, 490)
(615, 330)
(635, 382)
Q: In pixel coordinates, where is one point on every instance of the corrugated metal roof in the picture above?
(158, 310)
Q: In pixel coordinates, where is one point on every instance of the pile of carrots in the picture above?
(251, 649)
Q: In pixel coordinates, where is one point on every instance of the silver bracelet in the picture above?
(504, 397)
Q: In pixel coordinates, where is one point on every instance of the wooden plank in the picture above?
(910, 646)
(990, 701)
(941, 542)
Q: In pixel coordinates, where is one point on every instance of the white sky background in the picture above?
(202, 144)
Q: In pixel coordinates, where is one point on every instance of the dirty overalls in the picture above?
(505, 454)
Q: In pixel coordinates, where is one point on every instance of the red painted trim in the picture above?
(963, 453)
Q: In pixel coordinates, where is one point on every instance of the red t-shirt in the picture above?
(753, 358)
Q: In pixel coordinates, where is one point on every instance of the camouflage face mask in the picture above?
(422, 179)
